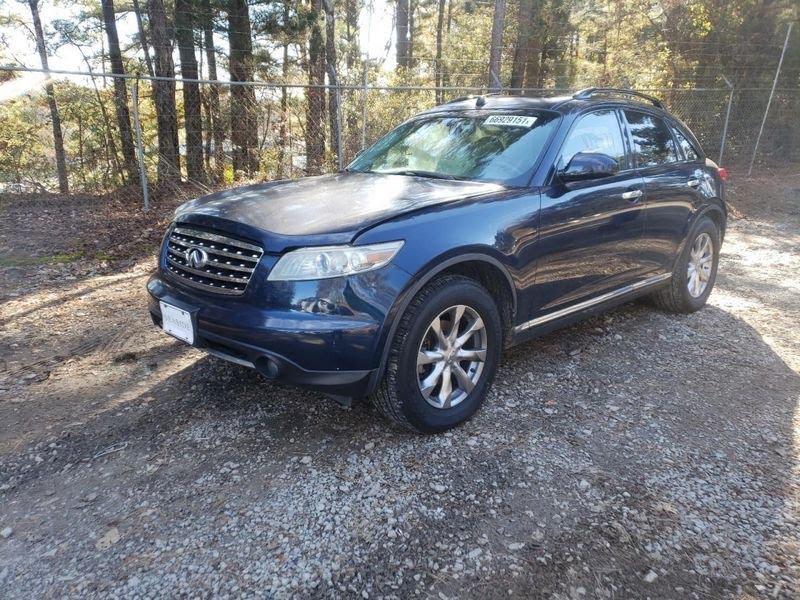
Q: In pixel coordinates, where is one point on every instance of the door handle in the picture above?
(693, 182)
(632, 195)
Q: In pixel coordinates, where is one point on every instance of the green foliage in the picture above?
(25, 141)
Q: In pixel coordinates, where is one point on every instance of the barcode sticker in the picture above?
(510, 121)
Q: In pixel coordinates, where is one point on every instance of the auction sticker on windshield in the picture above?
(510, 121)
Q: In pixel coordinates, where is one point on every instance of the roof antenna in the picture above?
(480, 101)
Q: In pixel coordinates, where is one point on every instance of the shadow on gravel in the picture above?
(631, 444)
(56, 288)
(699, 442)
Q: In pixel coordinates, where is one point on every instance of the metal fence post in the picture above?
(727, 119)
(139, 151)
(340, 155)
(364, 107)
(772, 93)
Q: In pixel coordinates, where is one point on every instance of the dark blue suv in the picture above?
(469, 228)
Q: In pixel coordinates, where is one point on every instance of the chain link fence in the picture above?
(295, 130)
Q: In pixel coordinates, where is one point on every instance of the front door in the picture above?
(590, 231)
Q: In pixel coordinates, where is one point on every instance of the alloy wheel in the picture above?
(451, 356)
(701, 259)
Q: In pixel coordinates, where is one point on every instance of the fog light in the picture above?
(268, 367)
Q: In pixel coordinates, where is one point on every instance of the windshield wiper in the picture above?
(421, 173)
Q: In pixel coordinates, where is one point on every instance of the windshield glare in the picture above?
(500, 148)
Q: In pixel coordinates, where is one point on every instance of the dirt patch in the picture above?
(636, 454)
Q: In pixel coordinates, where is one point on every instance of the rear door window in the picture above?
(652, 140)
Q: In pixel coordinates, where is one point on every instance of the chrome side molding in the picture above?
(592, 302)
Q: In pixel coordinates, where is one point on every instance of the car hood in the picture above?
(331, 208)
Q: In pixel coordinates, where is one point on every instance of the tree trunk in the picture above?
(333, 80)
(496, 50)
(120, 92)
(353, 50)
(58, 138)
(445, 68)
(169, 166)
(244, 125)
(401, 23)
(560, 12)
(521, 50)
(217, 126)
(412, 9)
(184, 36)
(438, 66)
(533, 70)
(315, 96)
(143, 38)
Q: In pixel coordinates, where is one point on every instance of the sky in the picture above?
(375, 25)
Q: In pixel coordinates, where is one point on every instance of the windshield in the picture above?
(500, 148)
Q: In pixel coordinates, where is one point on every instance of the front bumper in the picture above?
(322, 335)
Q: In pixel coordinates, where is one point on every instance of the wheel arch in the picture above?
(715, 211)
(483, 268)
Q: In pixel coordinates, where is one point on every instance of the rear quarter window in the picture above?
(690, 153)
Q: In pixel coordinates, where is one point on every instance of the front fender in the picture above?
(493, 230)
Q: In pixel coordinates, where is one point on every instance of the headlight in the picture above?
(324, 262)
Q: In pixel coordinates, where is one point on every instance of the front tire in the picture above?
(443, 357)
(694, 273)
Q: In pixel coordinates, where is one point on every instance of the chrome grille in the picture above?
(225, 264)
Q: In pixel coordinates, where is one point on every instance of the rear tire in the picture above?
(694, 273)
(443, 357)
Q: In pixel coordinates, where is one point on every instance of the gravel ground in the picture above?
(637, 454)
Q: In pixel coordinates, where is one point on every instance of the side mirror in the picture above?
(589, 165)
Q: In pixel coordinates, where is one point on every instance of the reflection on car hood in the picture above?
(344, 203)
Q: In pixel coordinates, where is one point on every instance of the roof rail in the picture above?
(587, 93)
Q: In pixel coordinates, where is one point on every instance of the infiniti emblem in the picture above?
(196, 258)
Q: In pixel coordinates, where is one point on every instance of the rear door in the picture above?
(672, 172)
(590, 231)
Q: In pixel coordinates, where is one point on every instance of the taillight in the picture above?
(723, 173)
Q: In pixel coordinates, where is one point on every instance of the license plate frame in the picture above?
(177, 322)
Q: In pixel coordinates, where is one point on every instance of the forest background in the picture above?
(225, 91)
